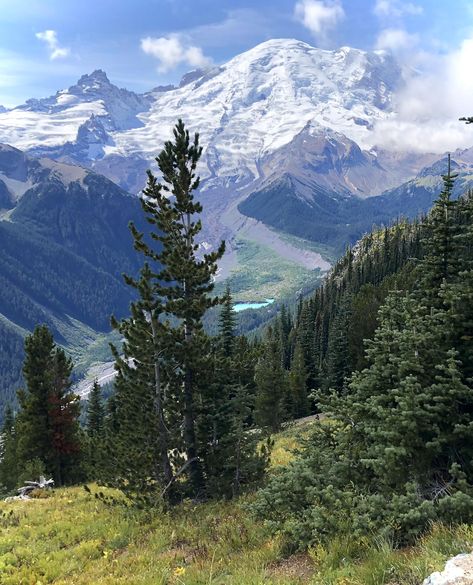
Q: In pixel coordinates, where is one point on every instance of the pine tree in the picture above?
(47, 424)
(298, 385)
(95, 412)
(184, 281)
(95, 431)
(138, 437)
(338, 361)
(231, 457)
(441, 261)
(64, 412)
(459, 296)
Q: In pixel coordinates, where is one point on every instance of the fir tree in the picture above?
(459, 296)
(298, 385)
(338, 361)
(441, 260)
(227, 320)
(230, 455)
(95, 431)
(138, 438)
(270, 379)
(95, 412)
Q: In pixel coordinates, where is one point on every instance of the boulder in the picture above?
(458, 571)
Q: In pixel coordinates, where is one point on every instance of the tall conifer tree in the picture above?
(270, 378)
(184, 280)
(139, 437)
(47, 424)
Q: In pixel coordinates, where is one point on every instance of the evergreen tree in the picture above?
(298, 384)
(270, 378)
(95, 431)
(138, 438)
(47, 424)
(409, 405)
(459, 296)
(95, 412)
(230, 455)
(338, 360)
(8, 454)
(441, 260)
(227, 320)
(184, 280)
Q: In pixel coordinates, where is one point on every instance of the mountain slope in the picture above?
(65, 242)
(326, 213)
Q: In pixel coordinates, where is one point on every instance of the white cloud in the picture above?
(430, 104)
(396, 40)
(55, 50)
(319, 16)
(172, 51)
(396, 8)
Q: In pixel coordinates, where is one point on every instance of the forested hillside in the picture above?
(65, 242)
(388, 354)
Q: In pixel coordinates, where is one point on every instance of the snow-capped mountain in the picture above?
(245, 109)
(53, 121)
(260, 100)
(283, 113)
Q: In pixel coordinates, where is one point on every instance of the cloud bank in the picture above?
(430, 104)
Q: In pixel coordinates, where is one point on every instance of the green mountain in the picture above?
(65, 242)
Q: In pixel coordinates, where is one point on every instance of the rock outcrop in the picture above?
(458, 571)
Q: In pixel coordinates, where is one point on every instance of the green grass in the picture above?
(71, 538)
(261, 274)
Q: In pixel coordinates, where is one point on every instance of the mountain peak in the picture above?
(281, 43)
(97, 78)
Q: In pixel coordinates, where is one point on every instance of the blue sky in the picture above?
(45, 45)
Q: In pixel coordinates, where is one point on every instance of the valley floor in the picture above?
(70, 538)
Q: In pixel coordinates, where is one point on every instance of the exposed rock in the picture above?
(458, 571)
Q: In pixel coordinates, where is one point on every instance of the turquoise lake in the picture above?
(243, 306)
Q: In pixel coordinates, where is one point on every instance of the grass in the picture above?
(262, 274)
(70, 538)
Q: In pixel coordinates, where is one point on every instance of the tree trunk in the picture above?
(158, 405)
(196, 476)
(197, 479)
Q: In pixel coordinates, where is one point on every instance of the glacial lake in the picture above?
(256, 305)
